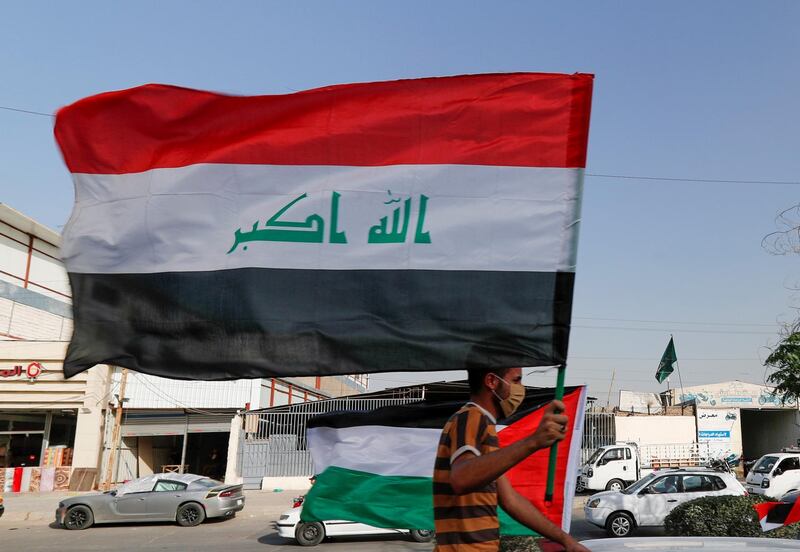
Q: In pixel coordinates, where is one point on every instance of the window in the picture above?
(665, 485)
(613, 454)
(627, 454)
(766, 464)
(697, 483)
(206, 483)
(787, 464)
(718, 483)
(167, 486)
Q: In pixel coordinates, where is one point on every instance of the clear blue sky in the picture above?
(683, 89)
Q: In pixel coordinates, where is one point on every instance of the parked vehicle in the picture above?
(184, 498)
(775, 474)
(312, 533)
(648, 501)
(706, 544)
(2, 508)
(614, 467)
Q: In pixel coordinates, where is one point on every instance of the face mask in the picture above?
(510, 404)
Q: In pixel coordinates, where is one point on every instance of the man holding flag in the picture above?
(468, 480)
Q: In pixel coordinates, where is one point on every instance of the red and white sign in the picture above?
(32, 372)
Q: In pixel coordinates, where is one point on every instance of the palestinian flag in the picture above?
(348, 229)
(376, 467)
(774, 515)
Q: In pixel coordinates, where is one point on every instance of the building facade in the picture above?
(748, 419)
(51, 426)
(48, 425)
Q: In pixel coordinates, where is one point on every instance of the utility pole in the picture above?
(115, 436)
(610, 387)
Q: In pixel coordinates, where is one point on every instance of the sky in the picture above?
(683, 90)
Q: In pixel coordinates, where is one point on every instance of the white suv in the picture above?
(648, 501)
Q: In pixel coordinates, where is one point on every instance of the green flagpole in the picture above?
(551, 469)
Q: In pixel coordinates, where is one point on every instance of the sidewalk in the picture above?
(42, 506)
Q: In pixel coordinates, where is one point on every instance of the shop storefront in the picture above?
(49, 426)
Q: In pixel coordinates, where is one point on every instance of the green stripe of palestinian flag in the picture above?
(376, 467)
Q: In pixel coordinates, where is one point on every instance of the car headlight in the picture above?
(765, 483)
(590, 473)
(594, 503)
(284, 516)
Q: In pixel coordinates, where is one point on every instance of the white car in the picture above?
(648, 501)
(701, 544)
(774, 475)
(312, 533)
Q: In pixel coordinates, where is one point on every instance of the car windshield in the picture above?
(766, 464)
(206, 483)
(639, 484)
(593, 458)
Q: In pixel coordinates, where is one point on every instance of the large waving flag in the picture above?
(376, 467)
(774, 515)
(355, 228)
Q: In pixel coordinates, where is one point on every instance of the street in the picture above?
(27, 526)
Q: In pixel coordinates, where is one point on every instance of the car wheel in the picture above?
(309, 533)
(78, 517)
(422, 535)
(619, 524)
(615, 485)
(190, 514)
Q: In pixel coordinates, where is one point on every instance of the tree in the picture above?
(785, 357)
(785, 362)
(786, 239)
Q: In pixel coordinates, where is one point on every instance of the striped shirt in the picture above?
(466, 522)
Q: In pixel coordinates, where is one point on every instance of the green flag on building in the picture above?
(669, 358)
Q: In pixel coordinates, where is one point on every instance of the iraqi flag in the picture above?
(376, 467)
(774, 515)
(347, 229)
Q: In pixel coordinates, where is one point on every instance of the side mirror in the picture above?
(777, 471)
(645, 491)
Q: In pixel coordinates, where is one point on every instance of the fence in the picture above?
(598, 431)
(273, 443)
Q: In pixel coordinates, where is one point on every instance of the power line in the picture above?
(655, 359)
(27, 111)
(702, 180)
(675, 322)
(592, 175)
(623, 328)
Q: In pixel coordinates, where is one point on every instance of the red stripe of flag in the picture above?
(514, 119)
(529, 477)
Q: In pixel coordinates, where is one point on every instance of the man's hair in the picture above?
(487, 353)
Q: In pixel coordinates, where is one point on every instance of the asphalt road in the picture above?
(250, 530)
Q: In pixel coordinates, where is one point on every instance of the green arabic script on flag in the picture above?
(665, 367)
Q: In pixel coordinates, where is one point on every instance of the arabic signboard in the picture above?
(715, 426)
(32, 371)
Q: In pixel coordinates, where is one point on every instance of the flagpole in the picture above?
(678, 366)
(551, 468)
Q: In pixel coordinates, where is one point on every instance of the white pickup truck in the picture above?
(614, 467)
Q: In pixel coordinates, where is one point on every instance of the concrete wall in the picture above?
(654, 430)
(146, 458)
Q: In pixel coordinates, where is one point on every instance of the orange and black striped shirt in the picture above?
(467, 522)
